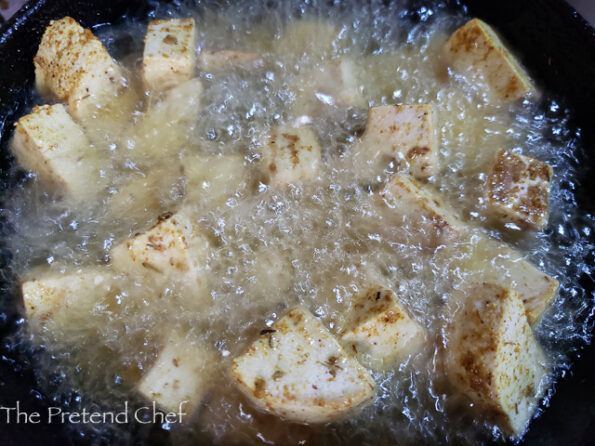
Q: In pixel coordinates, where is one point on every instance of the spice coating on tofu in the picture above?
(518, 190)
(296, 369)
(170, 250)
(73, 65)
(407, 134)
(493, 357)
(290, 155)
(475, 47)
(380, 330)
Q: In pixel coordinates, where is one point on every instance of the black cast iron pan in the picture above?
(554, 42)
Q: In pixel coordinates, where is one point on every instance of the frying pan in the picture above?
(554, 43)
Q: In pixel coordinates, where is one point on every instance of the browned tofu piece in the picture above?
(298, 370)
(73, 65)
(290, 155)
(169, 57)
(405, 134)
(172, 251)
(518, 189)
(476, 49)
(432, 221)
(493, 357)
(380, 331)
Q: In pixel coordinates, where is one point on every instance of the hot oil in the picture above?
(319, 244)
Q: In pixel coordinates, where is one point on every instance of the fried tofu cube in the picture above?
(212, 179)
(433, 222)
(224, 60)
(180, 377)
(381, 331)
(488, 260)
(493, 357)
(73, 65)
(51, 296)
(405, 134)
(476, 49)
(518, 189)
(171, 251)
(298, 370)
(291, 155)
(48, 142)
(169, 57)
(537, 289)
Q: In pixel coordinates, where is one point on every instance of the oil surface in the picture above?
(317, 243)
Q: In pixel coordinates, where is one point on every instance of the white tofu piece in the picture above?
(169, 57)
(432, 221)
(381, 331)
(518, 189)
(48, 142)
(171, 251)
(73, 65)
(405, 134)
(177, 111)
(297, 370)
(290, 155)
(51, 296)
(212, 179)
(180, 376)
(493, 357)
(476, 49)
(224, 60)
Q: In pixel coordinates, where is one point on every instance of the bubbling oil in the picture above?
(317, 244)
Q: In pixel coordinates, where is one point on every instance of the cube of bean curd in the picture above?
(173, 251)
(169, 57)
(380, 330)
(517, 190)
(48, 142)
(179, 377)
(404, 134)
(290, 155)
(475, 49)
(493, 357)
(64, 298)
(297, 370)
(74, 66)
